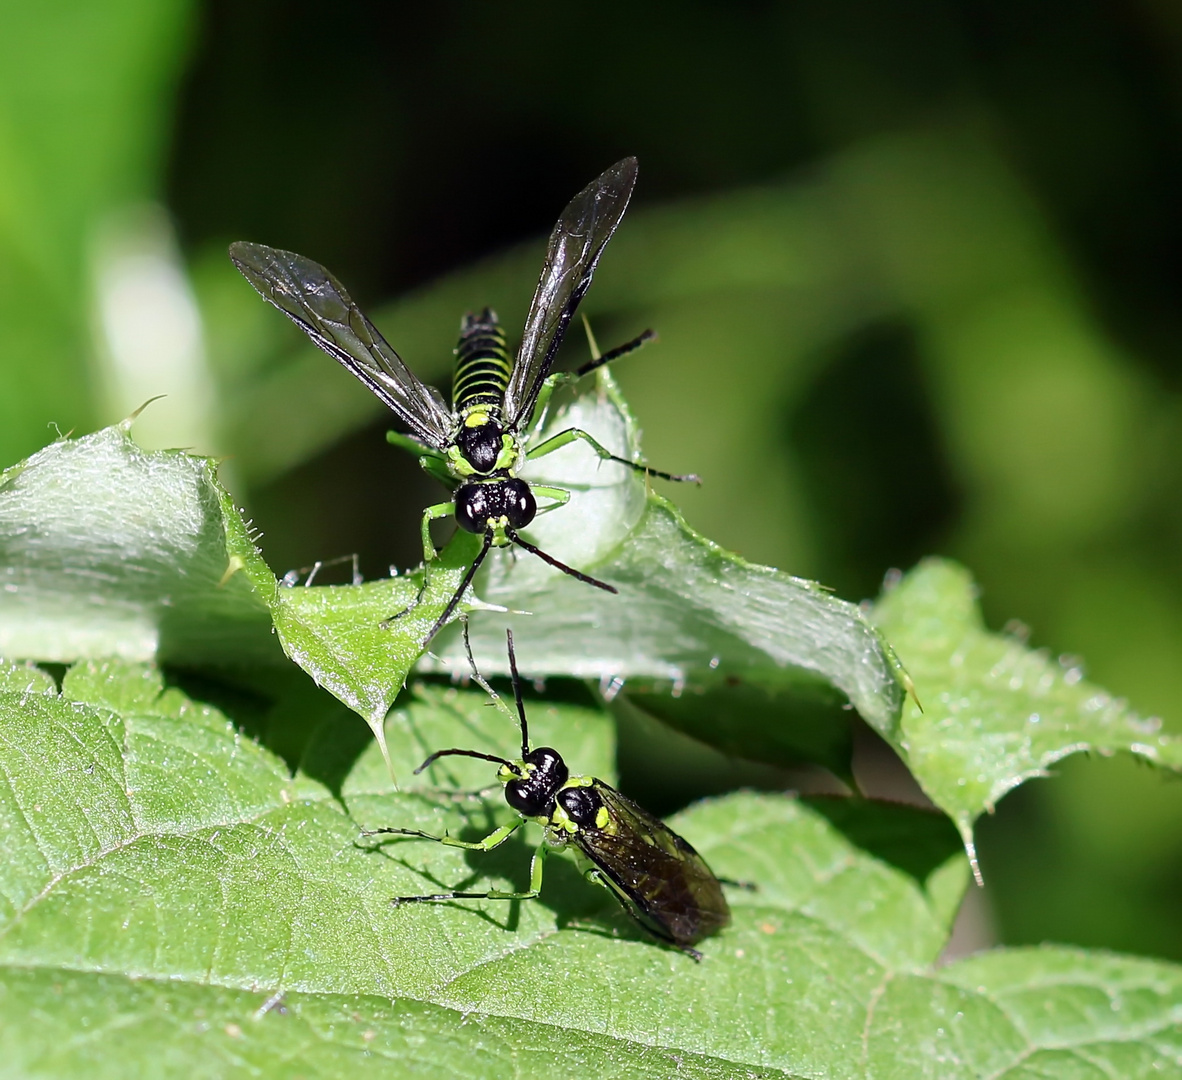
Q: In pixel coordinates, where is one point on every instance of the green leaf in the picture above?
(25, 679)
(717, 646)
(340, 636)
(112, 551)
(107, 550)
(995, 712)
(174, 903)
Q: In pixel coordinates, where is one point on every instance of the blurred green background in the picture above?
(915, 268)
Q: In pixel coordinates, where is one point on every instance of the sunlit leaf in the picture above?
(175, 903)
(995, 712)
(107, 550)
(112, 551)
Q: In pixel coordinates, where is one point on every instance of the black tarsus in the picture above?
(517, 694)
(680, 478)
(750, 886)
(614, 354)
(578, 575)
(437, 897)
(400, 832)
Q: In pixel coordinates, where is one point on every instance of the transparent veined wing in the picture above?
(319, 305)
(576, 243)
(664, 880)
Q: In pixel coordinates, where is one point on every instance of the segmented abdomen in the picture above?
(483, 363)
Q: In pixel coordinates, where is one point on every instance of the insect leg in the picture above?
(597, 360)
(469, 796)
(410, 445)
(576, 574)
(564, 438)
(560, 496)
(535, 887)
(432, 513)
(494, 839)
(458, 595)
(749, 886)
(544, 395)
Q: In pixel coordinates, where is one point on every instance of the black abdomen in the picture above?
(483, 363)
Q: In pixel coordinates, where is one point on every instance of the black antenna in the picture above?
(517, 695)
(616, 353)
(461, 753)
(559, 565)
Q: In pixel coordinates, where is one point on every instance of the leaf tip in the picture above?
(909, 687)
(965, 828)
(379, 732)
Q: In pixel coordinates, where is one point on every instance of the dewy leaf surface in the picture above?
(174, 903)
(995, 712)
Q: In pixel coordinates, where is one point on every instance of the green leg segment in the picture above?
(494, 839)
(597, 877)
(491, 841)
(564, 438)
(411, 446)
(432, 513)
(560, 496)
(597, 360)
(544, 395)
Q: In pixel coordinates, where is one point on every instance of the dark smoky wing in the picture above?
(576, 243)
(319, 305)
(662, 877)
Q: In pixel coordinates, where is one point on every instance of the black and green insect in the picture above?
(478, 445)
(660, 880)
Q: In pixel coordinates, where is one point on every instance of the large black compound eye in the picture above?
(533, 795)
(526, 798)
(472, 510)
(519, 505)
(549, 768)
(581, 805)
(481, 446)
